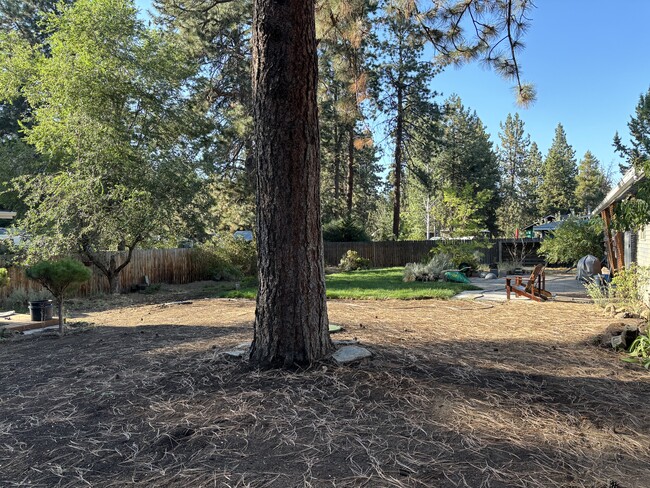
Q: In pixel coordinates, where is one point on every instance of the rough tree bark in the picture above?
(110, 269)
(291, 325)
(350, 192)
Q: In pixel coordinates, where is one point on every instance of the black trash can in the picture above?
(41, 310)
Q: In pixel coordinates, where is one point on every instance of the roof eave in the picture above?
(624, 187)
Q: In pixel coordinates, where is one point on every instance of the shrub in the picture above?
(432, 271)
(509, 267)
(344, 230)
(627, 286)
(4, 277)
(463, 253)
(226, 257)
(625, 290)
(351, 261)
(19, 298)
(572, 240)
(59, 277)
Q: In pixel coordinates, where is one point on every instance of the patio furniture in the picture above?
(535, 288)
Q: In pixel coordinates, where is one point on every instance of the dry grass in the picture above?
(458, 394)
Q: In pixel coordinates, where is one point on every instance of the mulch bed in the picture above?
(457, 394)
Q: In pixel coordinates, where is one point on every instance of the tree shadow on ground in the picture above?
(163, 406)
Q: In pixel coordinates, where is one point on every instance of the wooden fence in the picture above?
(174, 266)
(398, 253)
(179, 266)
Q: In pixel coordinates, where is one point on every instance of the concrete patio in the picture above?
(563, 286)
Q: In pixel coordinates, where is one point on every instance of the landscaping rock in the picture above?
(612, 330)
(625, 339)
(645, 314)
(618, 342)
(240, 351)
(490, 276)
(349, 354)
(236, 353)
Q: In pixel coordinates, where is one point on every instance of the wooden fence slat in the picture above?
(173, 266)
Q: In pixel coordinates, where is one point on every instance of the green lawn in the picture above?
(381, 283)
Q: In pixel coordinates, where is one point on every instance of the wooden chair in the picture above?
(535, 288)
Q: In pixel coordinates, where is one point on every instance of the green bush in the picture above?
(345, 230)
(463, 253)
(627, 286)
(4, 277)
(625, 291)
(351, 261)
(228, 258)
(573, 239)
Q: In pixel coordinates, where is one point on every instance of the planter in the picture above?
(41, 310)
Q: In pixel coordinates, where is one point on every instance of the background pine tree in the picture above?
(557, 191)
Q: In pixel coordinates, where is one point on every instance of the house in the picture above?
(6, 215)
(624, 248)
(546, 225)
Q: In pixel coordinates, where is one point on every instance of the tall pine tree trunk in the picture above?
(291, 325)
(397, 169)
(350, 169)
(337, 163)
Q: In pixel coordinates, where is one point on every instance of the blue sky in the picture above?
(589, 60)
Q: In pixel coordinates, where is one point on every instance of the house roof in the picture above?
(6, 215)
(620, 191)
(547, 226)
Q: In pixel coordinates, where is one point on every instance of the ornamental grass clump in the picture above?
(432, 271)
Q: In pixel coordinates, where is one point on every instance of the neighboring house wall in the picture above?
(643, 257)
(643, 247)
(630, 248)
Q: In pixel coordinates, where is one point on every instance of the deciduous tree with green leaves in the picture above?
(573, 239)
(109, 112)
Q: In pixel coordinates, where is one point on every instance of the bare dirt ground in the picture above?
(457, 394)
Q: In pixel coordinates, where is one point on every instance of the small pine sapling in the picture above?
(59, 278)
